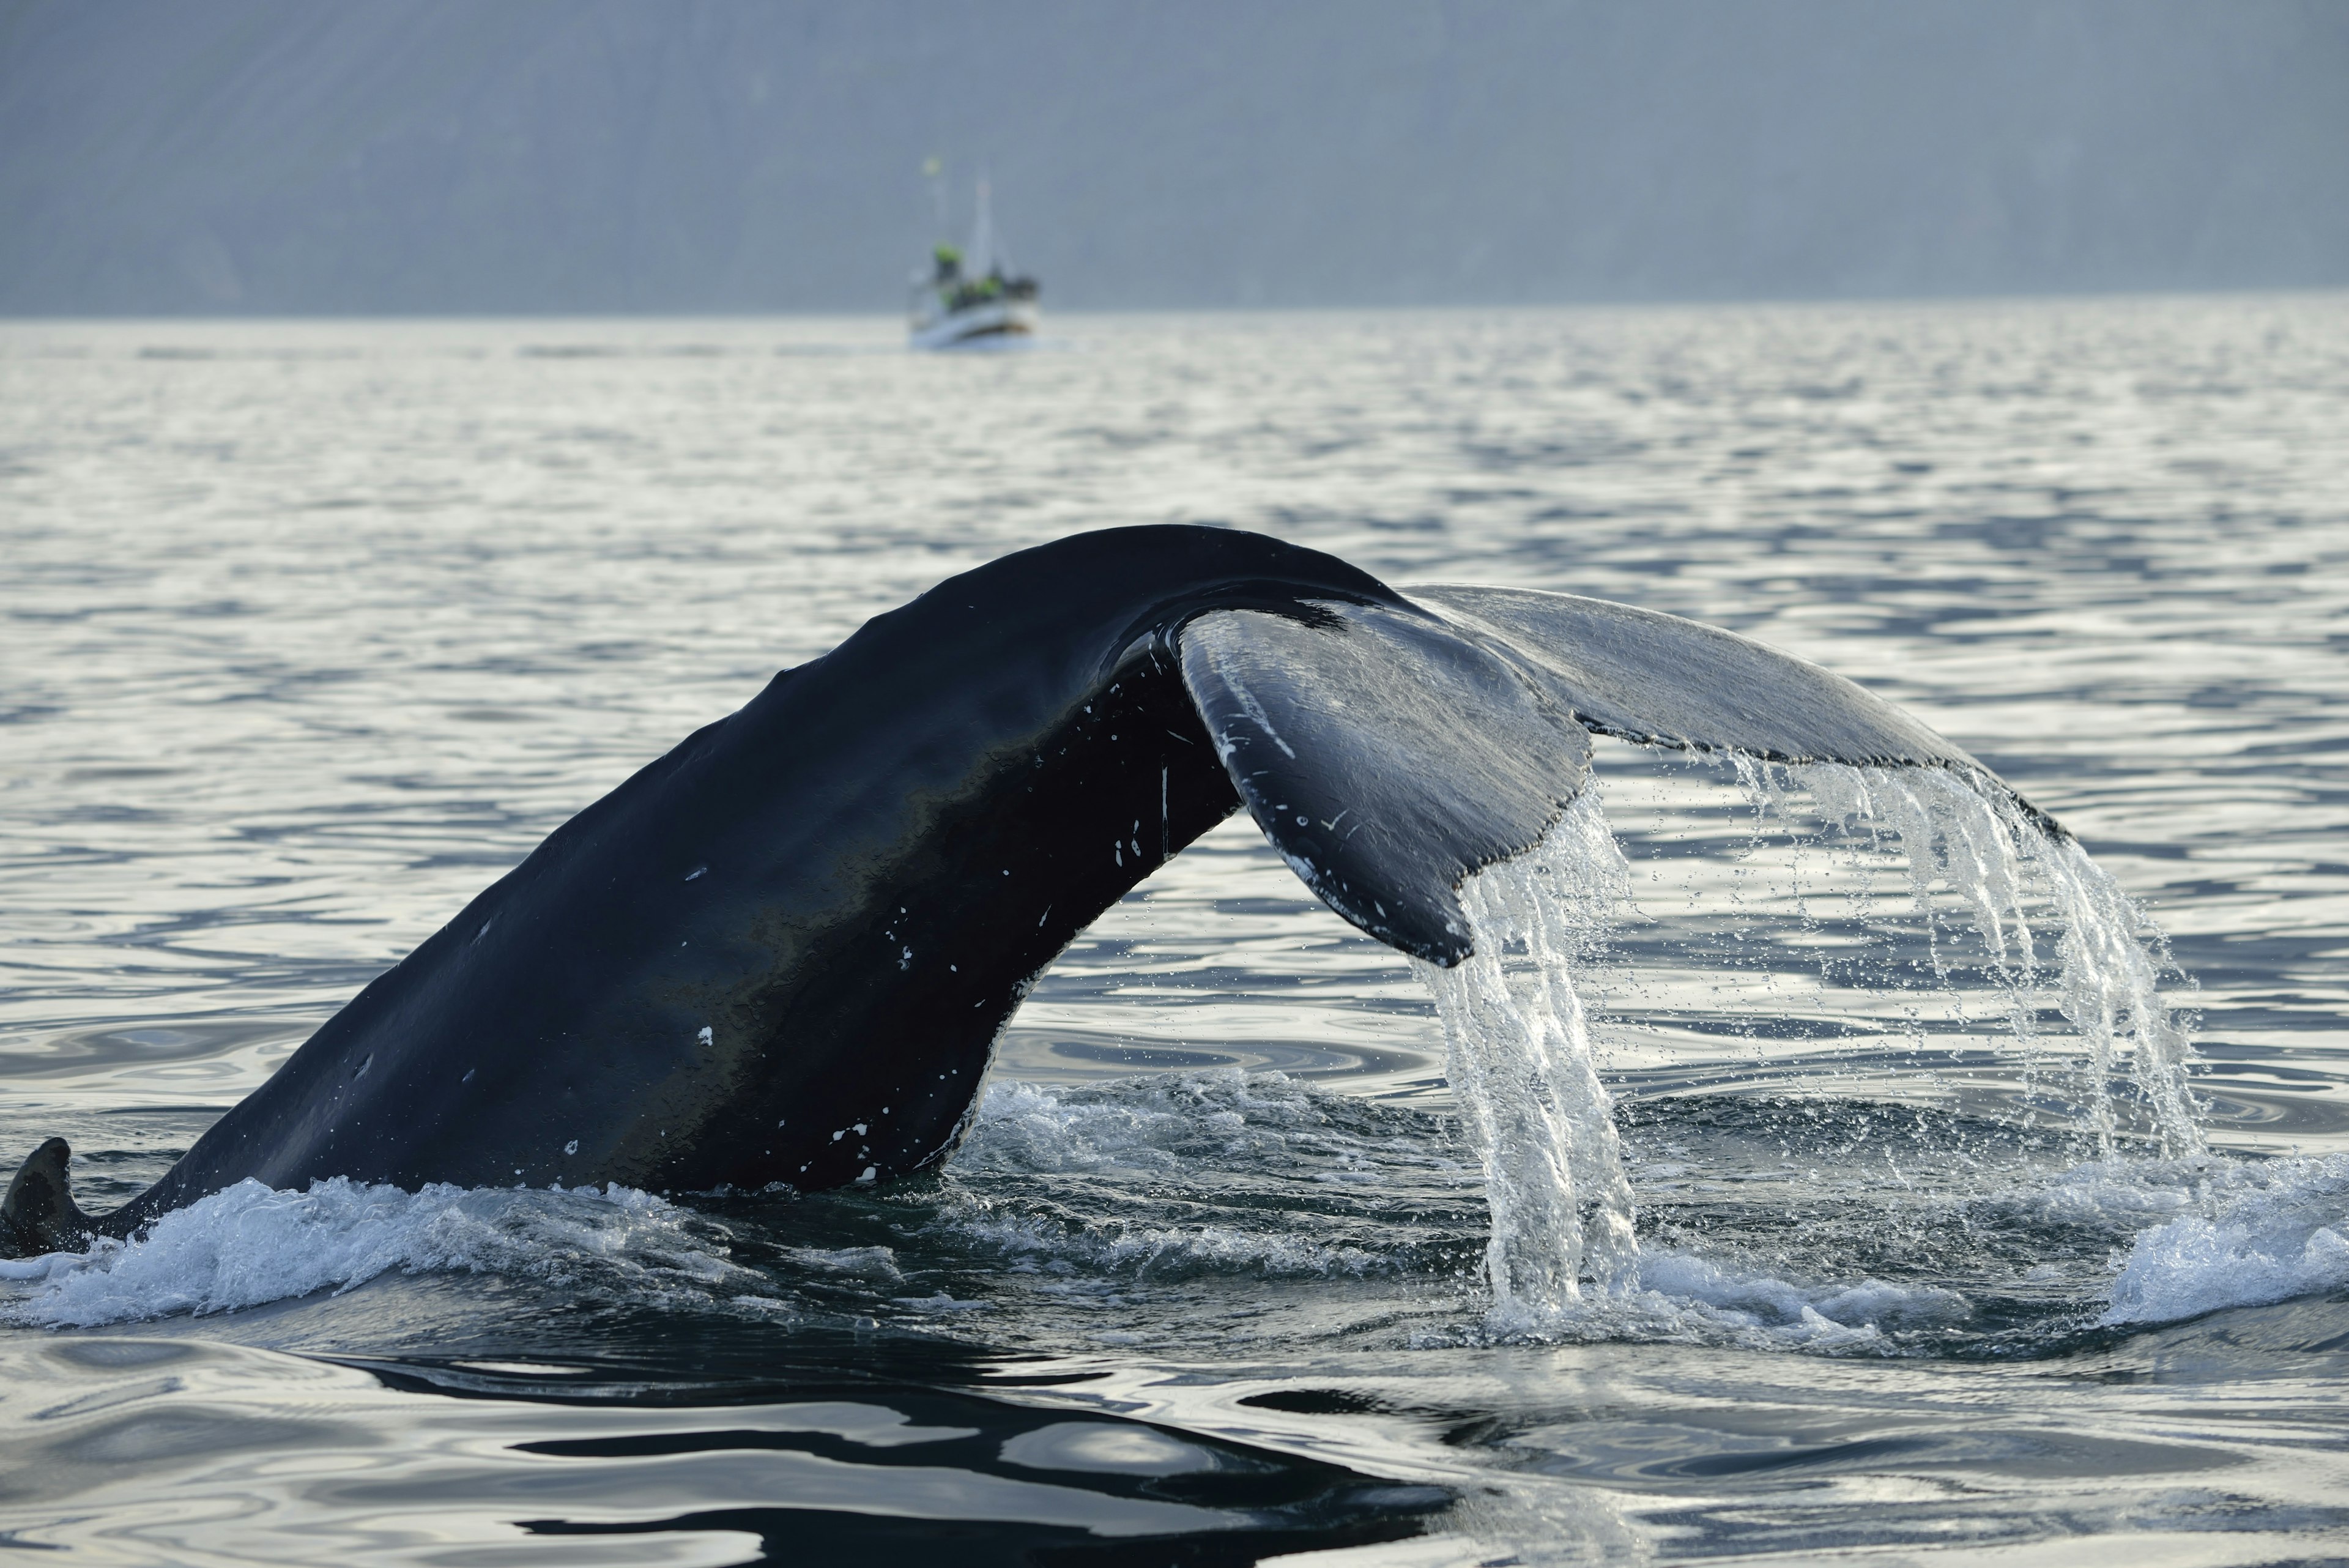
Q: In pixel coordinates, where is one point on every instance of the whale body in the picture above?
(784, 952)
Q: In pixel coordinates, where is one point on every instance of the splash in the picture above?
(2057, 929)
(249, 1244)
(2018, 882)
(1518, 1054)
(2271, 1231)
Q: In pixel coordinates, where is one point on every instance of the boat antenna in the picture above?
(982, 233)
(934, 169)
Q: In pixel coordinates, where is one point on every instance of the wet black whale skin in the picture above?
(783, 952)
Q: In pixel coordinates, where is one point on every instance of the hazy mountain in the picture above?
(578, 155)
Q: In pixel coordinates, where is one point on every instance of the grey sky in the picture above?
(693, 155)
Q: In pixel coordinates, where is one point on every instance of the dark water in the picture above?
(311, 630)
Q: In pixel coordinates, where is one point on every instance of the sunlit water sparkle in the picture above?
(1902, 1237)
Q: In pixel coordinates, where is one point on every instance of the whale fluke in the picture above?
(1641, 675)
(1385, 756)
(1659, 679)
(783, 952)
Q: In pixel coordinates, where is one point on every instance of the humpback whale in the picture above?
(784, 952)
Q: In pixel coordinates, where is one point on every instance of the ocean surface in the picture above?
(1879, 1242)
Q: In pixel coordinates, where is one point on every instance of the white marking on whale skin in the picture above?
(906, 959)
(860, 1129)
(838, 1136)
(485, 928)
(707, 1035)
(1254, 709)
(571, 1148)
(696, 871)
(468, 1075)
(869, 1174)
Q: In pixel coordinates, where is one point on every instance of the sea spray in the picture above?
(248, 1244)
(1520, 1058)
(1518, 1047)
(2266, 1232)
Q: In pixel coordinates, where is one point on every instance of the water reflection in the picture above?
(792, 1456)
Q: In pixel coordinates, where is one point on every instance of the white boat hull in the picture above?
(991, 322)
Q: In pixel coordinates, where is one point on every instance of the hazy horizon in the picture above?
(601, 157)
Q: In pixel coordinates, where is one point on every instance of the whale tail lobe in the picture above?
(1387, 752)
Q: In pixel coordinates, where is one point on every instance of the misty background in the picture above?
(287, 156)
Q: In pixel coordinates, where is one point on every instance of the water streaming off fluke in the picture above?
(1518, 1048)
(2059, 935)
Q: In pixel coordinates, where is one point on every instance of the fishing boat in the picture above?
(967, 298)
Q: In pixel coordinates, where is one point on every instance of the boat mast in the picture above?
(934, 169)
(982, 233)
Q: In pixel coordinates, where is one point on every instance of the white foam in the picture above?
(2203, 1233)
(251, 1244)
(1833, 1313)
(2266, 1232)
(1675, 1297)
(2113, 1193)
(876, 1263)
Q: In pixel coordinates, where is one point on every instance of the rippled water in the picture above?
(314, 630)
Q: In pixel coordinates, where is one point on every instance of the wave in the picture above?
(1168, 1196)
(2275, 1229)
(251, 1244)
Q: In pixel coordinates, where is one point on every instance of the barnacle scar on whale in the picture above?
(783, 952)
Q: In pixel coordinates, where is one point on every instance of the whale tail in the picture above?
(39, 1215)
(1387, 752)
